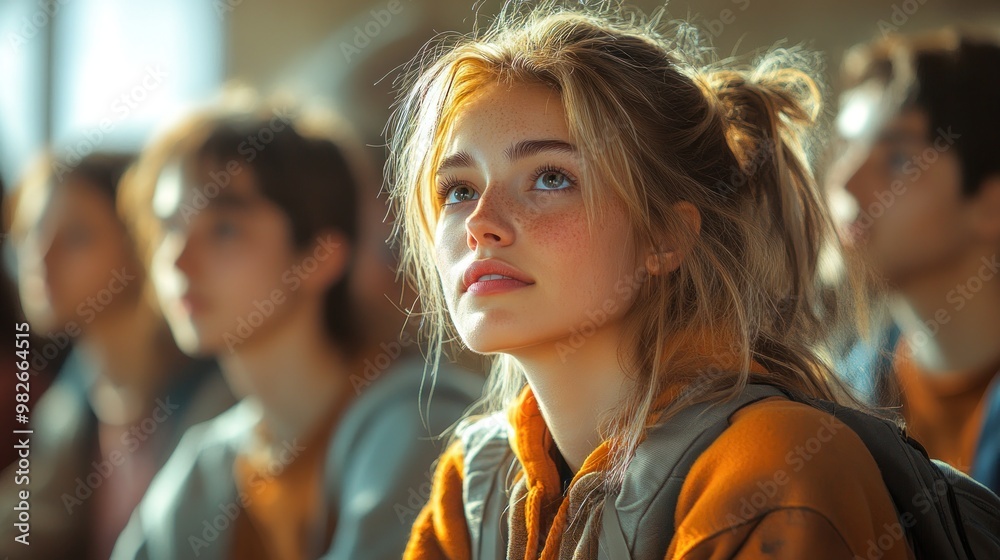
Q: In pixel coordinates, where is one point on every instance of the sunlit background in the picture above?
(105, 74)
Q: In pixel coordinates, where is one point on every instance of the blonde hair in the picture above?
(732, 141)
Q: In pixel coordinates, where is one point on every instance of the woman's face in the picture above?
(509, 180)
(75, 261)
(224, 270)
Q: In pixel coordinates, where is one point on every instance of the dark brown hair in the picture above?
(951, 75)
(100, 171)
(311, 172)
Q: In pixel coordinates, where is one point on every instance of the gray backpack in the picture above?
(943, 512)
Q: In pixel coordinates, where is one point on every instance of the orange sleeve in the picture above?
(440, 532)
(786, 481)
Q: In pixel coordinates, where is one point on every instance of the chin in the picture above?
(485, 343)
(497, 342)
(188, 340)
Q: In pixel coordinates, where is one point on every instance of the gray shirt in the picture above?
(377, 472)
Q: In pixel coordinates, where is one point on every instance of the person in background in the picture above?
(124, 395)
(251, 221)
(11, 318)
(920, 118)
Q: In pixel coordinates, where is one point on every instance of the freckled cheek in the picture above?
(565, 246)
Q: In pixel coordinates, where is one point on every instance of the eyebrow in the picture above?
(520, 150)
(901, 136)
(233, 202)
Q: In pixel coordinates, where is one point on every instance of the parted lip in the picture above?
(491, 266)
(192, 302)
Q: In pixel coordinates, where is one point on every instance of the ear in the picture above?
(664, 260)
(986, 210)
(323, 262)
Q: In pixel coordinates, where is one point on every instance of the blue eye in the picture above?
(458, 193)
(552, 180)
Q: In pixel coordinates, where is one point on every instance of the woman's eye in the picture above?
(551, 181)
(460, 193)
(224, 230)
(897, 160)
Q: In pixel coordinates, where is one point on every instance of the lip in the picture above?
(856, 233)
(514, 278)
(192, 304)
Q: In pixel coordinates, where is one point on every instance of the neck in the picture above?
(576, 389)
(297, 374)
(134, 355)
(950, 318)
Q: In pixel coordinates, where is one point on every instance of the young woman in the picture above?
(250, 218)
(920, 117)
(610, 221)
(124, 395)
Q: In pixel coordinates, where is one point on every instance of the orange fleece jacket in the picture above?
(783, 481)
(944, 412)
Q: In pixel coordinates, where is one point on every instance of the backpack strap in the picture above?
(924, 495)
(648, 497)
(487, 460)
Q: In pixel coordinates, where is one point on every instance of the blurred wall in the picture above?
(341, 49)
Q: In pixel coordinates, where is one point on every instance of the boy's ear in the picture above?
(667, 259)
(323, 263)
(986, 210)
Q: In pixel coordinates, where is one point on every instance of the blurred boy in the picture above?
(922, 120)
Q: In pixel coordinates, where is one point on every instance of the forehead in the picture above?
(868, 114)
(501, 111)
(203, 184)
(910, 125)
(73, 198)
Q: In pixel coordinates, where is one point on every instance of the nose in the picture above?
(858, 181)
(48, 259)
(185, 260)
(176, 251)
(489, 224)
(45, 256)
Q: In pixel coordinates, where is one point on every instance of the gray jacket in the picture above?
(65, 472)
(378, 471)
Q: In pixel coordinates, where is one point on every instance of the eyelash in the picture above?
(445, 184)
(450, 181)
